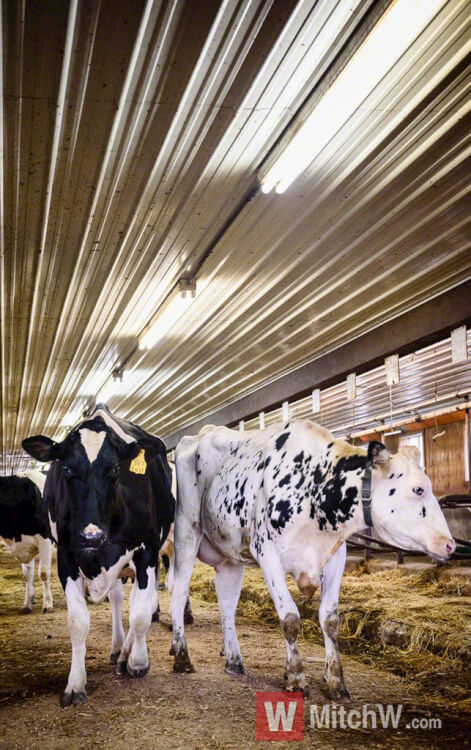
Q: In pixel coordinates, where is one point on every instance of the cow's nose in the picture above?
(91, 536)
(450, 547)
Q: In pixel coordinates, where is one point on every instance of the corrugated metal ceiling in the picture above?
(133, 130)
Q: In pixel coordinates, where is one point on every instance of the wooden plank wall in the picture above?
(444, 459)
(391, 442)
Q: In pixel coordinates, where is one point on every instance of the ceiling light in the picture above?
(170, 313)
(386, 43)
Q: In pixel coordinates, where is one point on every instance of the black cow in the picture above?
(109, 497)
(24, 527)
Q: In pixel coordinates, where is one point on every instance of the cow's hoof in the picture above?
(182, 662)
(73, 698)
(234, 667)
(48, 610)
(121, 668)
(25, 611)
(297, 683)
(338, 692)
(304, 688)
(188, 618)
(114, 656)
(156, 616)
(137, 672)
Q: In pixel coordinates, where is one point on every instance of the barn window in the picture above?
(415, 439)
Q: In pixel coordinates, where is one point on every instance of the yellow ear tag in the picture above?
(138, 465)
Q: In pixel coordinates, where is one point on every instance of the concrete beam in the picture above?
(424, 325)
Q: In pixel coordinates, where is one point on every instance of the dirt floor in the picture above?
(207, 709)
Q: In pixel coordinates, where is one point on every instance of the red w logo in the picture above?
(280, 716)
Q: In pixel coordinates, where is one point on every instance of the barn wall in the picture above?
(444, 459)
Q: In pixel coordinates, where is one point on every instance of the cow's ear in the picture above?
(42, 448)
(128, 451)
(411, 452)
(378, 454)
(153, 447)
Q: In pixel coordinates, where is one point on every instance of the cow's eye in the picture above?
(68, 474)
(114, 472)
(418, 491)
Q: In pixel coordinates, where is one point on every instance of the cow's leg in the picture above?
(142, 605)
(45, 559)
(121, 664)
(117, 631)
(79, 622)
(187, 540)
(169, 581)
(28, 574)
(188, 613)
(290, 621)
(228, 584)
(329, 621)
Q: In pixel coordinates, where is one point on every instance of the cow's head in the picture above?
(404, 509)
(88, 461)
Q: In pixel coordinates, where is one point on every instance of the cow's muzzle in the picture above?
(442, 547)
(91, 537)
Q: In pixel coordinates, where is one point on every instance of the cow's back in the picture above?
(22, 509)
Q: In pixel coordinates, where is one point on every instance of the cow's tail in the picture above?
(164, 500)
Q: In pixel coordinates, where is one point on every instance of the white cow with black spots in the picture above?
(287, 499)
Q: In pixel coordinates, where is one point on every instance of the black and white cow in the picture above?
(24, 527)
(287, 498)
(110, 502)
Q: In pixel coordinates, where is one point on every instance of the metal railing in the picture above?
(372, 546)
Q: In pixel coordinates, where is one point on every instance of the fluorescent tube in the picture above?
(383, 47)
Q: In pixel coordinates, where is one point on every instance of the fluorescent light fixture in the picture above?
(170, 313)
(383, 47)
(261, 420)
(392, 432)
